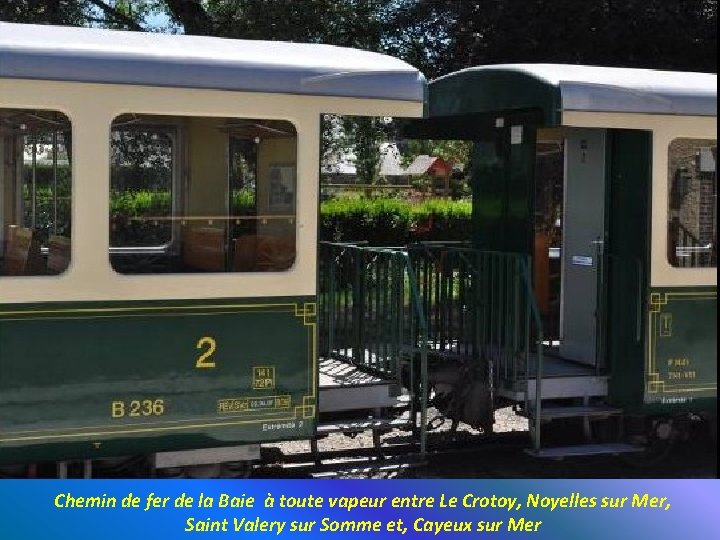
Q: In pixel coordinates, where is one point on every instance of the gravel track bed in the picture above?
(504, 456)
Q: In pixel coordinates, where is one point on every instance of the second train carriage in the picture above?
(159, 216)
(604, 180)
(587, 293)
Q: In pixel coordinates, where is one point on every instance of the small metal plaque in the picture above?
(263, 378)
(581, 260)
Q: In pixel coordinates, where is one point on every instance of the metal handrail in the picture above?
(473, 262)
(424, 345)
(479, 262)
(535, 313)
(375, 285)
(452, 298)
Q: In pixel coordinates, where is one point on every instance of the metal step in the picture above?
(565, 387)
(354, 398)
(356, 466)
(584, 450)
(552, 412)
(356, 426)
(569, 387)
(345, 387)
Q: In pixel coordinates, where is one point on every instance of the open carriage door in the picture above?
(582, 245)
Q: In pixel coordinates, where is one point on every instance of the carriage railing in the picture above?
(478, 304)
(536, 320)
(362, 297)
(481, 305)
(377, 304)
(371, 315)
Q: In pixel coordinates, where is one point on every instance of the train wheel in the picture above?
(658, 436)
(237, 469)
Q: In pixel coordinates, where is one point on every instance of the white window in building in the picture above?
(692, 211)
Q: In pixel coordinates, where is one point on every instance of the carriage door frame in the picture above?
(3, 192)
(584, 246)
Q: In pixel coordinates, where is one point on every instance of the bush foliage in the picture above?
(380, 221)
(387, 222)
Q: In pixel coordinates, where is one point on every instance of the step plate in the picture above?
(354, 398)
(344, 387)
(558, 388)
(335, 373)
(363, 425)
(548, 413)
(585, 450)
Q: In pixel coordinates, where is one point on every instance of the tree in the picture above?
(631, 33)
(120, 14)
(353, 23)
(437, 36)
(365, 134)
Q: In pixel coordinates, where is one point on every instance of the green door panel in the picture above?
(503, 168)
(661, 343)
(629, 175)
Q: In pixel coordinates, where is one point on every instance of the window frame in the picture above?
(177, 189)
(670, 181)
(181, 184)
(19, 195)
(16, 149)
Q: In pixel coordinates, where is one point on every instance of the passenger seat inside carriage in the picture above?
(204, 249)
(58, 254)
(22, 256)
(263, 253)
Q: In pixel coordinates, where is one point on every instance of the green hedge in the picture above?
(140, 203)
(394, 222)
(379, 221)
(158, 203)
(45, 178)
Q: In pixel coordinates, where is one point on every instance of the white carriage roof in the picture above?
(144, 58)
(599, 89)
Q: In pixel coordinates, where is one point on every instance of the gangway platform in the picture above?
(347, 387)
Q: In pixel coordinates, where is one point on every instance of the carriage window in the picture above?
(192, 195)
(142, 160)
(692, 212)
(35, 192)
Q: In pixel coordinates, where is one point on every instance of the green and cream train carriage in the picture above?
(158, 212)
(158, 250)
(606, 179)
